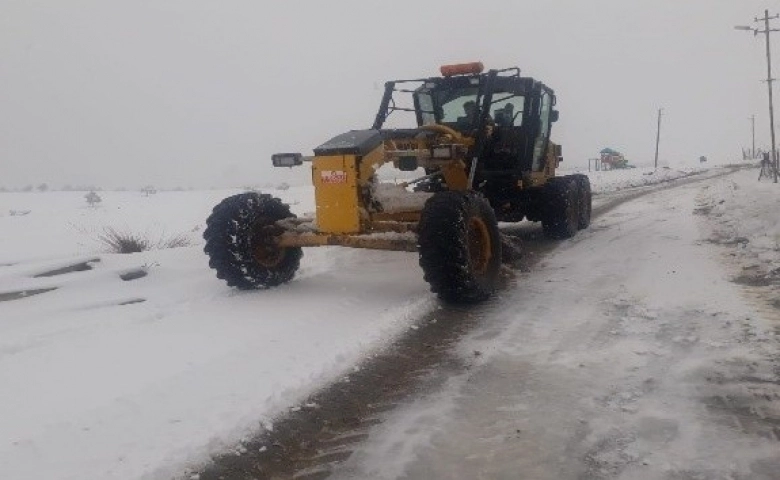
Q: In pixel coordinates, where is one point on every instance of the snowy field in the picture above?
(137, 366)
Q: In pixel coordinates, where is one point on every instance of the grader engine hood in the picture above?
(354, 142)
(336, 174)
(343, 173)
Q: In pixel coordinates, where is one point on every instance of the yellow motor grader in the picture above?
(481, 142)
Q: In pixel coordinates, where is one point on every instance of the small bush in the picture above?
(176, 241)
(123, 242)
(93, 199)
(119, 241)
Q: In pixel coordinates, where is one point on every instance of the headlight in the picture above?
(443, 152)
(287, 159)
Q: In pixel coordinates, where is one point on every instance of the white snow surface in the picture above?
(395, 198)
(616, 180)
(648, 363)
(144, 379)
(747, 214)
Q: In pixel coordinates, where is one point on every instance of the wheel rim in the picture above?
(265, 251)
(480, 251)
(268, 256)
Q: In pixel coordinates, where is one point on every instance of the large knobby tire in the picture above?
(240, 242)
(561, 209)
(460, 246)
(586, 201)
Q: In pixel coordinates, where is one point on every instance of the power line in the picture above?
(769, 80)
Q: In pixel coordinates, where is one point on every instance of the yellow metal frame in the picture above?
(335, 181)
(342, 182)
(376, 241)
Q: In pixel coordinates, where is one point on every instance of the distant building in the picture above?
(612, 159)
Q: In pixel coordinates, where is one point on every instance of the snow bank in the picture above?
(745, 213)
(615, 180)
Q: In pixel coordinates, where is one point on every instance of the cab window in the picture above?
(457, 106)
(507, 109)
(544, 130)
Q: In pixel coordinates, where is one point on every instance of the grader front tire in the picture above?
(240, 236)
(460, 247)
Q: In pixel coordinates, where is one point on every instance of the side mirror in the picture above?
(287, 159)
(558, 151)
(554, 116)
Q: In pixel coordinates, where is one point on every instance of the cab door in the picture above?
(545, 105)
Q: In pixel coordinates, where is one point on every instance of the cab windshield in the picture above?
(458, 107)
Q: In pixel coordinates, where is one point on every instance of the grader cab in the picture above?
(481, 143)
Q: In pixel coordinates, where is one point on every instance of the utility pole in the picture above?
(658, 136)
(769, 80)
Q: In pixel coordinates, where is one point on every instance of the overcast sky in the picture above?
(201, 93)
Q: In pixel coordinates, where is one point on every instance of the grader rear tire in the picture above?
(240, 243)
(561, 210)
(460, 247)
(586, 200)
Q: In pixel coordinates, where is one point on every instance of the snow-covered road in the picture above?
(105, 375)
(628, 354)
